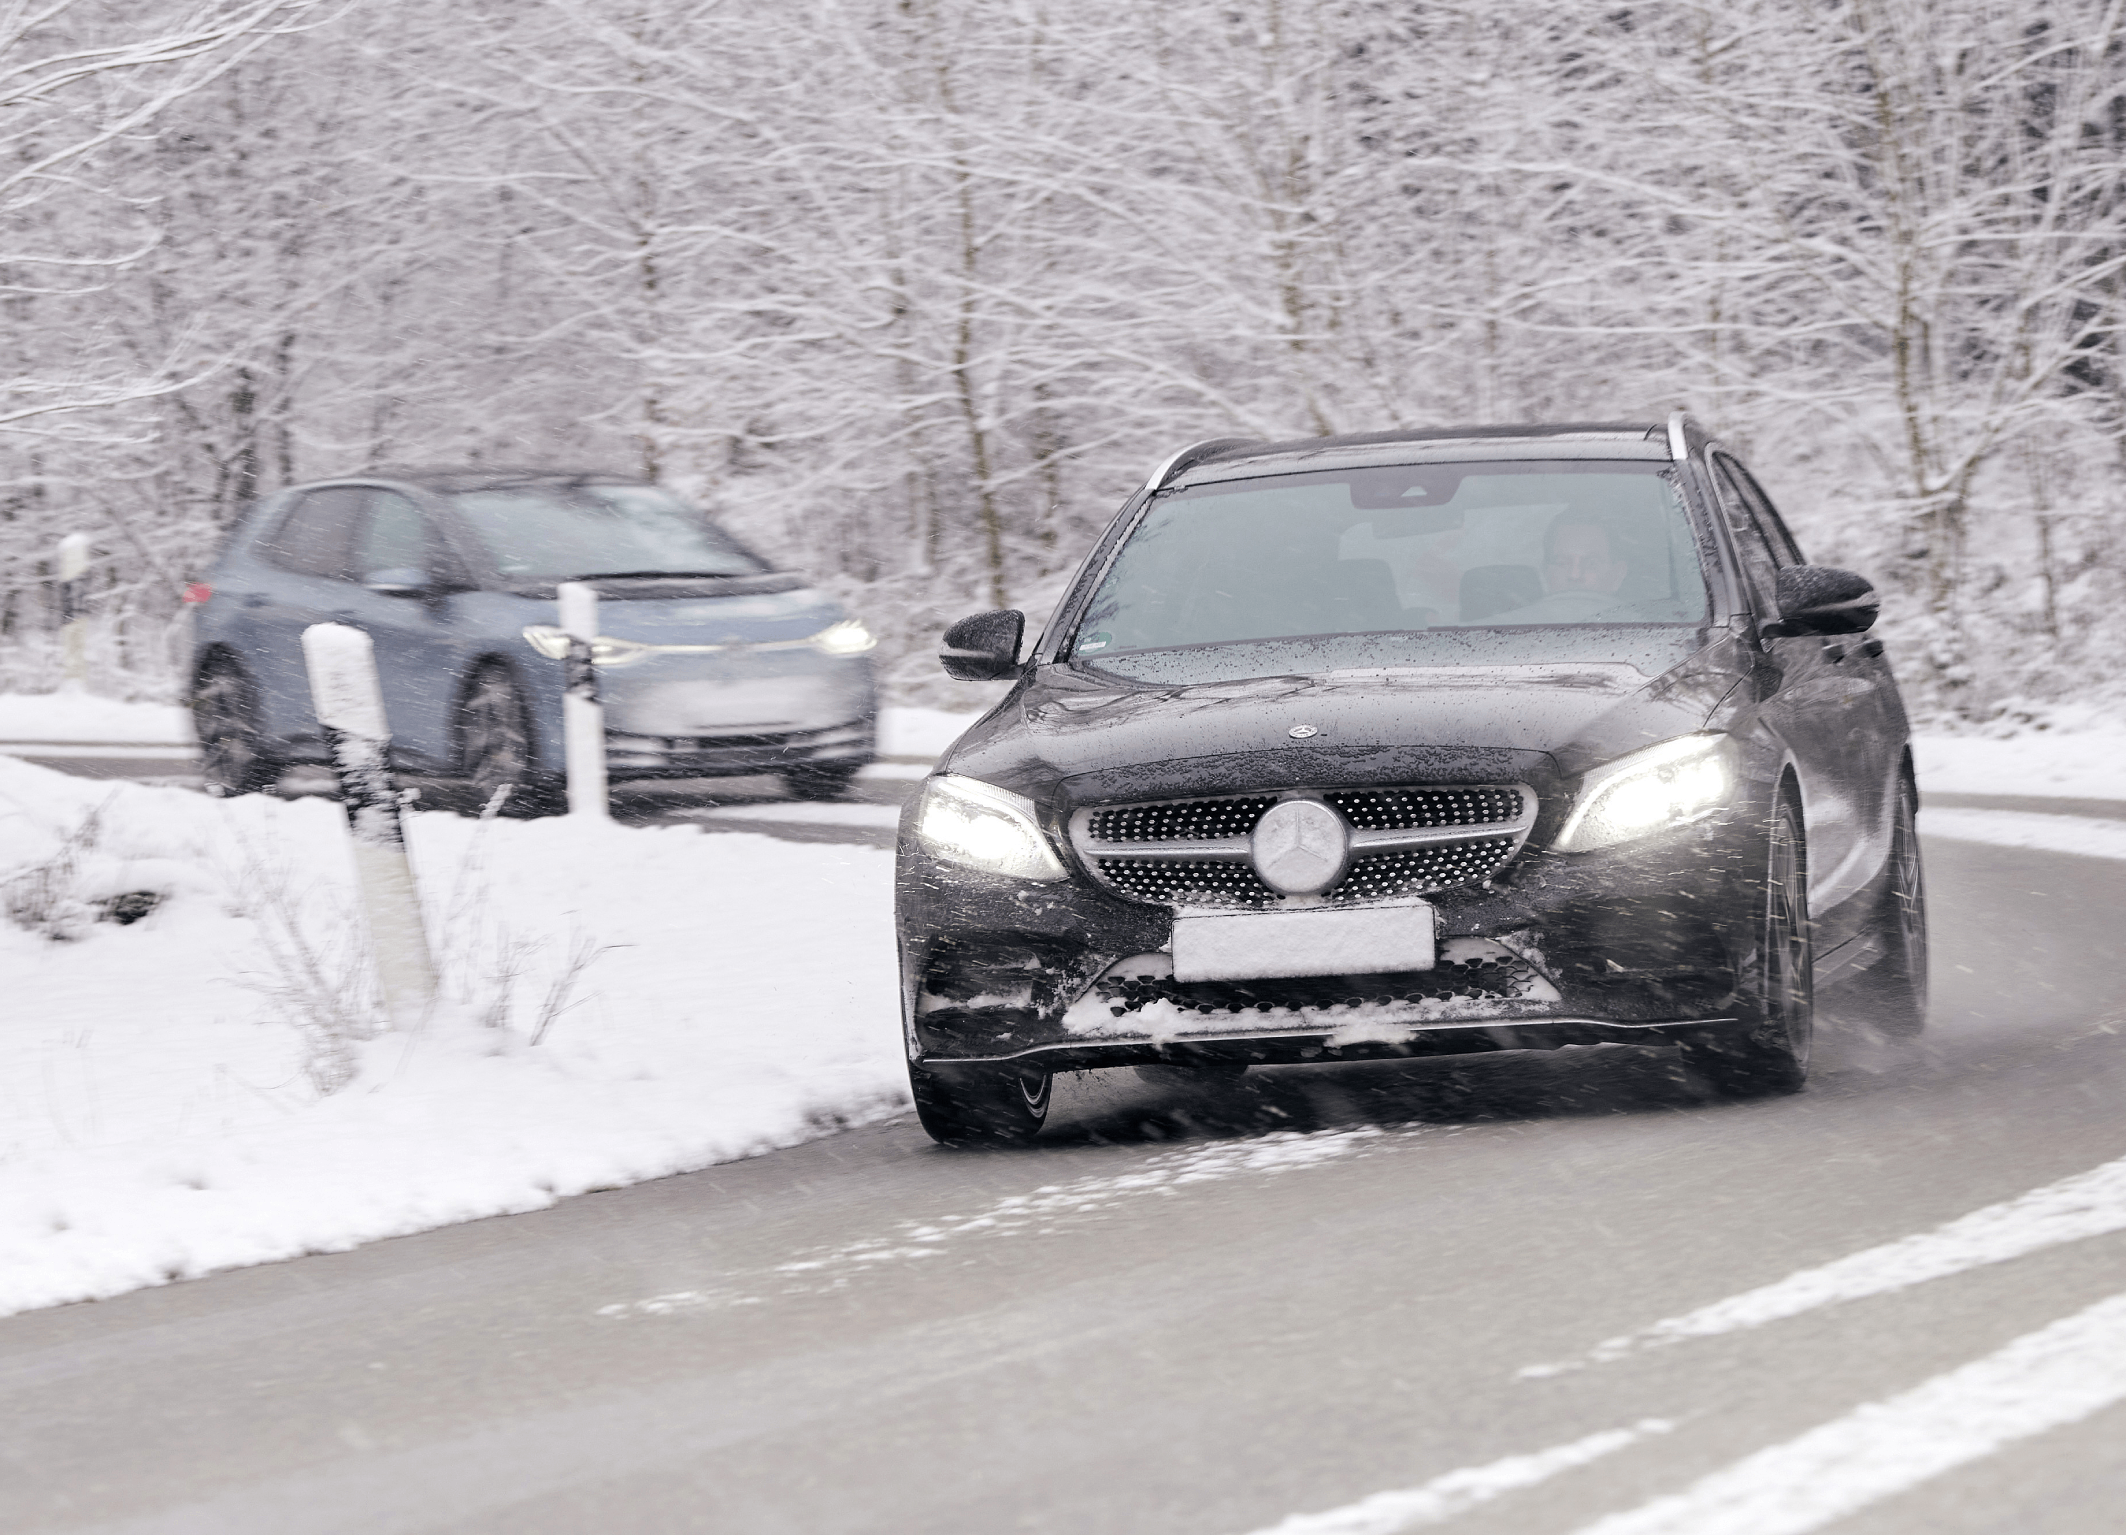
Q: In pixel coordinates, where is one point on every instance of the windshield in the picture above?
(541, 533)
(1403, 551)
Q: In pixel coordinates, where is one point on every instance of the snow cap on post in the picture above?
(579, 610)
(343, 686)
(73, 556)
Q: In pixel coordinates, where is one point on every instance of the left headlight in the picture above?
(966, 821)
(1652, 790)
(847, 638)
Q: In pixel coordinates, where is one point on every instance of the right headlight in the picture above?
(966, 821)
(847, 638)
(1668, 785)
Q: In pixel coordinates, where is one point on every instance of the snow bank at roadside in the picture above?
(905, 731)
(2079, 764)
(160, 1115)
(85, 717)
(2042, 832)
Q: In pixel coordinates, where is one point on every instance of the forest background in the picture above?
(911, 292)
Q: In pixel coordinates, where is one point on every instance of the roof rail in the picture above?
(1194, 454)
(1679, 424)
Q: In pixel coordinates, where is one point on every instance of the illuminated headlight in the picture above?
(1651, 790)
(550, 642)
(605, 650)
(847, 638)
(966, 821)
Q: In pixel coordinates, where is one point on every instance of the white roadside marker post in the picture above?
(73, 564)
(582, 715)
(343, 688)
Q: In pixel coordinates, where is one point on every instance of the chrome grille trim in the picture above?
(1123, 847)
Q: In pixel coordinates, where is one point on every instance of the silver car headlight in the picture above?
(847, 638)
(605, 650)
(966, 821)
(1663, 786)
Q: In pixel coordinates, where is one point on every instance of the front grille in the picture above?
(1178, 883)
(1403, 809)
(1404, 841)
(1416, 870)
(1186, 821)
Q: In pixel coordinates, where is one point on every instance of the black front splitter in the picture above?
(1458, 1038)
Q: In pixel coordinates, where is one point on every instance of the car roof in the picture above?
(1460, 444)
(454, 478)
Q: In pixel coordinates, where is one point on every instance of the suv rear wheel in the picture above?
(233, 754)
(1893, 991)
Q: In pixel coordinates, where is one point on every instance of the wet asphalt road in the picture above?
(1188, 1310)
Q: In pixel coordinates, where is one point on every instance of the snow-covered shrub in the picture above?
(74, 879)
(483, 962)
(45, 896)
(316, 976)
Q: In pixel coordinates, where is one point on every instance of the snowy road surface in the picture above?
(1525, 1292)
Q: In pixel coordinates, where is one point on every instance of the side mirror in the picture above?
(985, 647)
(400, 581)
(1821, 599)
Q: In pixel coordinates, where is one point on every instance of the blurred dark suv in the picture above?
(1421, 742)
(711, 663)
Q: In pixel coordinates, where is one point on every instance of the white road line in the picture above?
(2043, 1380)
(1457, 1492)
(2089, 1204)
(2028, 828)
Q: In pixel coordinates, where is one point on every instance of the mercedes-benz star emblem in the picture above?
(1300, 847)
(1301, 732)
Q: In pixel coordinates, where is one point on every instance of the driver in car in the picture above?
(1582, 572)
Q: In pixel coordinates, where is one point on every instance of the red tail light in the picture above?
(198, 591)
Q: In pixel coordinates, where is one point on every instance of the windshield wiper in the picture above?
(665, 575)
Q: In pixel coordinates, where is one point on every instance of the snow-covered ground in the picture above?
(74, 717)
(2081, 764)
(162, 1102)
(205, 1087)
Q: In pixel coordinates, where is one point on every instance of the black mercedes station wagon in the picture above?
(1415, 743)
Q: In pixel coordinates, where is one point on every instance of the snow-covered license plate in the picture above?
(1258, 945)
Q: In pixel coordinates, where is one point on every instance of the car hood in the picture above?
(1074, 731)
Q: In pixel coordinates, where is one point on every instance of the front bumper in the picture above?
(631, 757)
(723, 715)
(1642, 943)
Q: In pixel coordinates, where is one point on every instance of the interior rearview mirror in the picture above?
(985, 646)
(1822, 599)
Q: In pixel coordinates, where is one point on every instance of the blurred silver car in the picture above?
(711, 662)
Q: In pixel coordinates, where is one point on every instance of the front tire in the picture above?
(982, 1105)
(1892, 992)
(1770, 1053)
(495, 749)
(234, 756)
